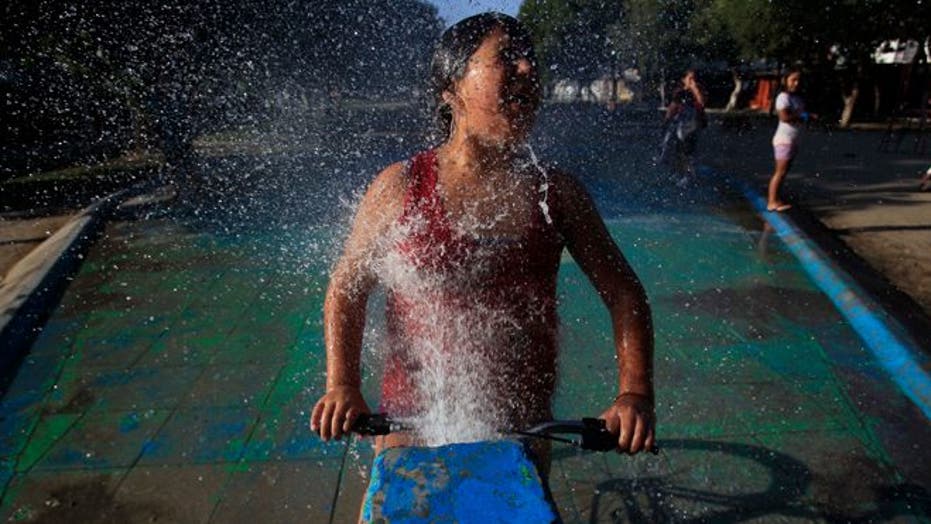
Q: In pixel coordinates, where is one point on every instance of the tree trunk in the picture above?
(662, 87)
(615, 88)
(738, 87)
(140, 141)
(850, 99)
(876, 99)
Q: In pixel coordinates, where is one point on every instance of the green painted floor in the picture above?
(174, 381)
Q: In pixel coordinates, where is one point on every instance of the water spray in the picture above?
(593, 432)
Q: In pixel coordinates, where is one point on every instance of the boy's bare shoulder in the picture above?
(388, 186)
(393, 177)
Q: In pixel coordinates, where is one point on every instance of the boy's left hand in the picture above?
(632, 418)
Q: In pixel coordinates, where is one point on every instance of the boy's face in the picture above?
(497, 98)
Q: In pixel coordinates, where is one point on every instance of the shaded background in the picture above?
(81, 82)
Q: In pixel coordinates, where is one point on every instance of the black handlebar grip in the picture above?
(371, 424)
(596, 437)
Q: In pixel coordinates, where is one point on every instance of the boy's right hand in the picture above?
(335, 412)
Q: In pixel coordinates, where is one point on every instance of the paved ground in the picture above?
(868, 198)
(20, 235)
(172, 382)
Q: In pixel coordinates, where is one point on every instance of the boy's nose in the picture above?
(523, 66)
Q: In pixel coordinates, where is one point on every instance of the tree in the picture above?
(833, 37)
(659, 31)
(573, 37)
(180, 68)
(584, 39)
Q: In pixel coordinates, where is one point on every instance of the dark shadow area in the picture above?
(93, 500)
(42, 196)
(752, 307)
(863, 200)
(894, 418)
(158, 75)
(872, 229)
(902, 307)
(654, 499)
(31, 240)
(25, 325)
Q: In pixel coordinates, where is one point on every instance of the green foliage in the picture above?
(660, 30)
(670, 35)
(735, 30)
(801, 31)
(584, 39)
(575, 38)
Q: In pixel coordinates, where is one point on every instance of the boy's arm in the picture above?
(631, 415)
(344, 309)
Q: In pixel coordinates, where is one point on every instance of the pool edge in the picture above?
(894, 349)
(36, 283)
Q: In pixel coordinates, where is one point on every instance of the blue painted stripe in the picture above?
(898, 358)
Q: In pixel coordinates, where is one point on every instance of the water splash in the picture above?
(544, 186)
(465, 344)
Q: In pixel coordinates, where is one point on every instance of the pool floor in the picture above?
(174, 383)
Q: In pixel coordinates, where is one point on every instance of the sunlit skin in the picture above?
(690, 82)
(493, 106)
(792, 83)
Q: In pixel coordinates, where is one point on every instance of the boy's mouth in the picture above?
(521, 99)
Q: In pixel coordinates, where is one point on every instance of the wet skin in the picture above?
(494, 105)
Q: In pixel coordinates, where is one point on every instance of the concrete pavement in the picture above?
(862, 204)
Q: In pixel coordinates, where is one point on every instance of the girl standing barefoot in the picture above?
(791, 112)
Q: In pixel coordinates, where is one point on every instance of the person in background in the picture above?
(791, 112)
(685, 118)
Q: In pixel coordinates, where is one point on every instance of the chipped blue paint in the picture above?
(129, 423)
(150, 447)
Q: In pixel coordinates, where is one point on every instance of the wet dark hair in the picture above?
(452, 53)
(784, 81)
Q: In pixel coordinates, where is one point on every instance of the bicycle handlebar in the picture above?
(593, 434)
(375, 424)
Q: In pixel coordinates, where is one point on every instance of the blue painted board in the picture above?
(491, 481)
